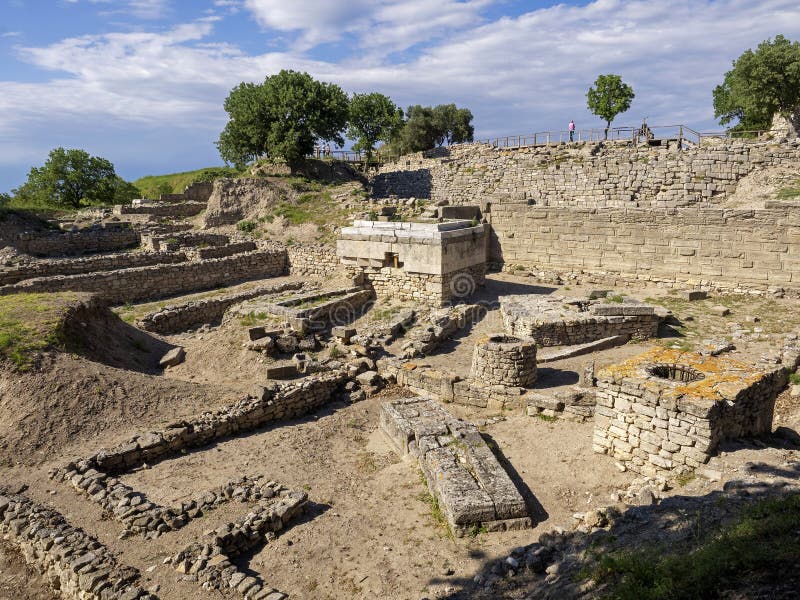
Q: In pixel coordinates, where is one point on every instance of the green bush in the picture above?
(246, 226)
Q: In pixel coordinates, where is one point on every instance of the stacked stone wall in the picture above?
(724, 250)
(175, 318)
(199, 191)
(502, 360)
(433, 290)
(176, 210)
(51, 268)
(313, 259)
(582, 174)
(142, 283)
(175, 241)
(653, 427)
(79, 566)
(108, 238)
(221, 251)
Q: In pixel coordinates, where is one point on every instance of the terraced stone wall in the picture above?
(313, 259)
(108, 238)
(142, 283)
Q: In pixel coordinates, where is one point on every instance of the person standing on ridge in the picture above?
(571, 130)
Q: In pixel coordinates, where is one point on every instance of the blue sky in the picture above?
(141, 82)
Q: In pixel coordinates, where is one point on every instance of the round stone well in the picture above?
(504, 360)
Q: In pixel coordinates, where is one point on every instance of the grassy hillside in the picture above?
(152, 186)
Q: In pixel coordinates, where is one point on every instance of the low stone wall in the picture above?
(222, 251)
(559, 321)
(442, 323)
(472, 488)
(76, 266)
(175, 241)
(94, 476)
(211, 562)
(667, 410)
(176, 210)
(108, 238)
(143, 283)
(313, 259)
(180, 317)
(449, 387)
(78, 565)
(504, 360)
(199, 191)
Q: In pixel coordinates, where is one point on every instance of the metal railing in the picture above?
(678, 133)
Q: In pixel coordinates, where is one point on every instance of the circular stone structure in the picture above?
(675, 372)
(504, 360)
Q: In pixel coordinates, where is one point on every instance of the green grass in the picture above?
(30, 323)
(794, 378)
(758, 547)
(788, 193)
(152, 186)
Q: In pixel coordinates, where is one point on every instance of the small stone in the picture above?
(721, 311)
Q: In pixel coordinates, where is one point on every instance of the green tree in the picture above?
(5, 200)
(453, 124)
(609, 97)
(281, 118)
(71, 178)
(373, 118)
(761, 84)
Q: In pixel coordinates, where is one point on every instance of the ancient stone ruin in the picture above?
(504, 360)
(666, 409)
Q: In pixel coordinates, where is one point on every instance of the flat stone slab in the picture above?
(571, 351)
(472, 488)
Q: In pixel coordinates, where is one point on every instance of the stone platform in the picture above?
(472, 488)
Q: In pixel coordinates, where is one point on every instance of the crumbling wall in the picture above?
(313, 259)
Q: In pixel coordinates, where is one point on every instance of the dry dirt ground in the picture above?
(369, 531)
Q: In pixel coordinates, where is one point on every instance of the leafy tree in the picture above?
(5, 200)
(427, 127)
(281, 117)
(124, 191)
(453, 124)
(609, 97)
(71, 178)
(373, 118)
(761, 84)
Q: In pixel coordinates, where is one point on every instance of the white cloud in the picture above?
(517, 74)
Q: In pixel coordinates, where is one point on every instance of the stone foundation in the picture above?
(560, 321)
(176, 210)
(666, 410)
(313, 259)
(504, 360)
(472, 488)
(75, 563)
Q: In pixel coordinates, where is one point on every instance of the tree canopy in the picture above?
(427, 127)
(609, 97)
(760, 84)
(73, 178)
(373, 118)
(281, 118)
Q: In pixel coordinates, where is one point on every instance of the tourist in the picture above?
(571, 130)
(327, 149)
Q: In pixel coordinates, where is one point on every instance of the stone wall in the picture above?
(221, 251)
(313, 259)
(582, 174)
(199, 191)
(180, 317)
(143, 283)
(667, 410)
(162, 209)
(106, 238)
(78, 565)
(107, 262)
(561, 321)
(175, 241)
(504, 360)
(724, 250)
(433, 290)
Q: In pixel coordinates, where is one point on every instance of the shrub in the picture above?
(246, 226)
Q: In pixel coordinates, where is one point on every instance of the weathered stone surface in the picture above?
(462, 472)
(172, 358)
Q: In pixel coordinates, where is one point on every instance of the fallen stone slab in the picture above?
(595, 346)
(693, 295)
(172, 358)
(719, 310)
(462, 472)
